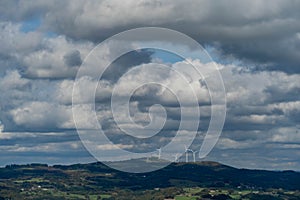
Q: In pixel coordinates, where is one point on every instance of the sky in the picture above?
(255, 46)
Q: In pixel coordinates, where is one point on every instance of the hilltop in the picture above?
(28, 181)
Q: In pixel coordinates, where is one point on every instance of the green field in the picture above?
(178, 181)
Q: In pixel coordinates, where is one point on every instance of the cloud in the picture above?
(73, 58)
(41, 116)
(10, 38)
(39, 57)
(59, 58)
(256, 46)
(50, 148)
(263, 33)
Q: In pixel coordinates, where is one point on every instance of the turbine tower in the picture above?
(194, 155)
(159, 153)
(176, 157)
(187, 153)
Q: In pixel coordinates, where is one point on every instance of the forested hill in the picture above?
(94, 175)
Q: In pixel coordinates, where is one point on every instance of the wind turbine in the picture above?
(187, 153)
(194, 155)
(159, 153)
(176, 157)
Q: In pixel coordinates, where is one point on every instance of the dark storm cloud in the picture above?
(124, 63)
(73, 58)
(264, 33)
(277, 94)
(21, 10)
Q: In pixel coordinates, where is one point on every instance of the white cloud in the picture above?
(38, 56)
(40, 115)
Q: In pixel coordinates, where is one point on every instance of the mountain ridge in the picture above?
(205, 173)
(40, 181)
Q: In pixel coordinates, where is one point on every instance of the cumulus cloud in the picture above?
(248, 32)
(255, 45)
(39, 57)
(58, 59)
(40, 115)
